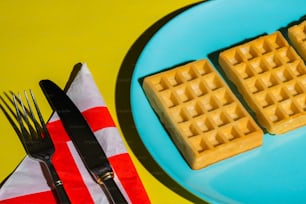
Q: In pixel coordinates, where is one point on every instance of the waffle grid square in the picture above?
(297, 35)
(205, 117)
(272, 80)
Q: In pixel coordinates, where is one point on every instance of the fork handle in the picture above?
(61, 194)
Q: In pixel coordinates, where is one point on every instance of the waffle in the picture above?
(202, 115)
(297, 36)
(271, 76)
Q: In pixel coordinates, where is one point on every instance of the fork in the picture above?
(37, 141)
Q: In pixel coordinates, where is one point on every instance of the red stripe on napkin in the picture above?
(125, 170)
(41, 197)
(66, 167)
(98, 118)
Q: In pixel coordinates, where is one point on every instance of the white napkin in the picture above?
(28, 184)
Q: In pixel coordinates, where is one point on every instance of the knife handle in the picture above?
(114, 192)
(61, 194)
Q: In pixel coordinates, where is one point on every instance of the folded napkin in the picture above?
(28, 184)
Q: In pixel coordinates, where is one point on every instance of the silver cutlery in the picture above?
(34, 136)
(84, 140)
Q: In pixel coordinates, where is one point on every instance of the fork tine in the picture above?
(9, 117)
(6, 104)
(42, 125)
(20, 118)
(13, 112)
(19, 100)
(31, 113)
(29, 117)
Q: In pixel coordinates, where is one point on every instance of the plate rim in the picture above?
(165, 168)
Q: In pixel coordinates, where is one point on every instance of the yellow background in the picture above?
(45, 39)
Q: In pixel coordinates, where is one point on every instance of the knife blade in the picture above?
(83, 138)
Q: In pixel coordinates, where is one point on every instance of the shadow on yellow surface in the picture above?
(124, 109)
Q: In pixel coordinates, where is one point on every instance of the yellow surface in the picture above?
(44, 39)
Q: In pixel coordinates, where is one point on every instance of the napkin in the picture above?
(28, 183)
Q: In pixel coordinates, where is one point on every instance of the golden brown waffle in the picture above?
(297, 36)
(204, 118)
(272, 79)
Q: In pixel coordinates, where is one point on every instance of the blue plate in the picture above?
(272, 173)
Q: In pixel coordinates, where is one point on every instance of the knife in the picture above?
(83, 139)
